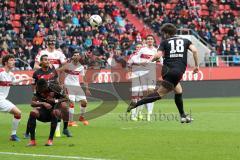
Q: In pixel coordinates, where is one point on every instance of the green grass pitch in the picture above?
(214, 135)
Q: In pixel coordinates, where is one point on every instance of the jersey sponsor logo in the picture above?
(72, 72)
(46, 76)
(189, 76)
(54, 61)
(145, 56)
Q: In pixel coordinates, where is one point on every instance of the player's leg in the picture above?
(134, 111)
(178, 99)
(7, 106)
(71, 111)
(58, 132)
(53, 126)
(179, 103)
(149, 106)
(83, 107)
(164, 89)
(82, 99)
(16, 119)
(27, 132)
(139, 110)
(63, 107)
(34, 114)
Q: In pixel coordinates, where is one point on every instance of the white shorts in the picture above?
(75, 93)
(143, 83)
(6, 105)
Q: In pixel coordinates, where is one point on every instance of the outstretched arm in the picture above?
(157, 56)
(194, 51)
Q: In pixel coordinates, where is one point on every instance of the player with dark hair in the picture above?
(49, 104)
(73, 71)
(174, 51)
(6, 80)
(56, 59)
(50, 74)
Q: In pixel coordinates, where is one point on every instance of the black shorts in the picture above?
(45, 115)
(172, 75)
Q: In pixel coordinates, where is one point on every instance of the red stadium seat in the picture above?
(204, 7)
(221, 7)
(235, 13)
(203, 2)
(168, 6)
(174, 1)
(227, 7)
(16, 24)
(219, 37)
(205, 13)
(12, 4)
(215, 1)
(17, 17)
(221, 30)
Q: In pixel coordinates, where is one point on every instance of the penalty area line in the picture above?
(50, 156)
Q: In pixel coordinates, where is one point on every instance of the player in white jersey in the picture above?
(57, 59)
(55, 56)
(135, 66)
(6, 80)
(73, 71)
(147, 71)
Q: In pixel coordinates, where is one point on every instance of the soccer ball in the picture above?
(95, 20)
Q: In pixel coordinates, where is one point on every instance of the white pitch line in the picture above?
(50, 156)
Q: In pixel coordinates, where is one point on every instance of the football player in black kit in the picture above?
(49, 104)
(48, 73)
(173, 49)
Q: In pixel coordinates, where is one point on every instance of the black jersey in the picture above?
(175, 52)
(49, 75)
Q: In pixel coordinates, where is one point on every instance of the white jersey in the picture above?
(145, 53)
(6, 80)
(143, 76)
(56, 57)
(142, 56)
(73, 73)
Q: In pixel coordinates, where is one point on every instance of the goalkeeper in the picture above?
(49, 104)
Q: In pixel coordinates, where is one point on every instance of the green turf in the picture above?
(214, 135)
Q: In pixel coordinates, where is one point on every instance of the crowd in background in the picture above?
(114, 40)
(68, 21)
(219, 27)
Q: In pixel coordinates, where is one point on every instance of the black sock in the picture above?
(65, 125)
(32, 126)
(28, 129)
(149, 98)
(53, 127)
(179, 103)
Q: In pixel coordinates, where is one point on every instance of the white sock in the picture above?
(58, 126)
(134, 113)
(15, 125)
(149, 108)
(71, 112)
(82, 110)
(139, 109)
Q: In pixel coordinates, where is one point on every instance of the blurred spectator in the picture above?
(236, 59)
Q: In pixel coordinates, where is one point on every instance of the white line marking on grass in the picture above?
(50, 156)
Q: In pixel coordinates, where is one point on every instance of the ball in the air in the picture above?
(95, 20)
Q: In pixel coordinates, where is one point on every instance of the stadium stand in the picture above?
(215, 21)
